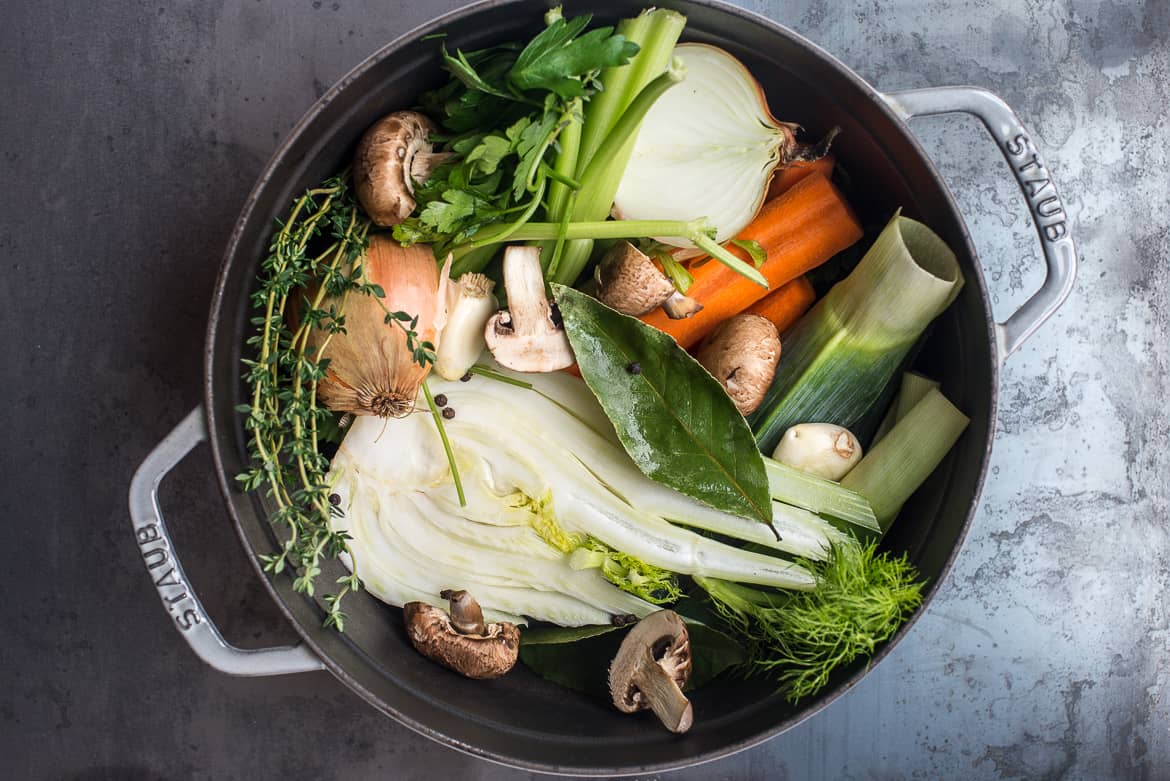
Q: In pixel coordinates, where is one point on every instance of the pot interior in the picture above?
(521, 719)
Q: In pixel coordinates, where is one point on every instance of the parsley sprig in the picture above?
(502, 112)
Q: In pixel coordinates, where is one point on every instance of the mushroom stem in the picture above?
(425, 161)
(678, 306)
(466, 615)
(664, 697)
(524, 283)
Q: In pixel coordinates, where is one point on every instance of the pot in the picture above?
(522, 720)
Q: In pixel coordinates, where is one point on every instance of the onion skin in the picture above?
(371, 370)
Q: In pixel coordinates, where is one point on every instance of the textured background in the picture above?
(132, 133)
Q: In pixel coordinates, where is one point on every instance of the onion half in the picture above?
(707, 148)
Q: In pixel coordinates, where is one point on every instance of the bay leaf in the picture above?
(673, 418)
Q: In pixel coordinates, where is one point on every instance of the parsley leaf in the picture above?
(559, 63)
(500, 114)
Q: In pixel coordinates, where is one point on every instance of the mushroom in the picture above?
(742, 353)
(460, 640)
(823, 449)
(628, 281)
(392, 155)
(650, 669)
(523, 336)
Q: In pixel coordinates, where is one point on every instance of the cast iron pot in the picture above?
(522, 720)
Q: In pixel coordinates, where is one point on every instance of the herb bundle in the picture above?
(314, 263)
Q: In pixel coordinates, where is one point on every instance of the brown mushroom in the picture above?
(392, 155)
(742, 353)
(523, 336)
(650, 669)
(628, 281)
(460, 640)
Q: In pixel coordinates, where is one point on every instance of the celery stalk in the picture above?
(901, 462)
(569, 141)
(842, 354)
(656, 32)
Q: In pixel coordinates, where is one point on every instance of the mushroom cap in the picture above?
(489, 655)
(540, 352)
(383, 163)
(658, 640)
(628, 281)
(524, 336)
(742, 353)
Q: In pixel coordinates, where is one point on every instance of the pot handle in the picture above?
(1044, 204)
(158, 553)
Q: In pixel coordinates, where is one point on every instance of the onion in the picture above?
(371, 369)
(707, 148)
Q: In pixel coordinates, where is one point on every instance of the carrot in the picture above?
(792, 173)
(784, 305)
(799, 230)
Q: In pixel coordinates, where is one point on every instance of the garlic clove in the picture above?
(822, 449)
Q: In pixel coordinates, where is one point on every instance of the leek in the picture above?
(901, 462)
(914, 387)
(841, 355)
(819, 495)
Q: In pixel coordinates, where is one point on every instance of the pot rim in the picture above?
(309, 634)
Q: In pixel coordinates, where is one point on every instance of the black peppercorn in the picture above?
(448, 412)
(441, 400)
(466, 377)
(334, 500)
(634, 368)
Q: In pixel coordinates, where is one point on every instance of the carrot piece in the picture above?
(784, 305)
(799, 231)
(792, 173)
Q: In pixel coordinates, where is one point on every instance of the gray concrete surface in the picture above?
(131, 133)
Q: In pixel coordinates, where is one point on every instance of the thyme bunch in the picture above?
(314, 264)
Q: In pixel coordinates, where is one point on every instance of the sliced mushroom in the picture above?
(650, 669)
(742, 353)
(628, 281)
(460, 640)
(523, 336)
(392, 155)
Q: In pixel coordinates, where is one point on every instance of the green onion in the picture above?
(901, 462)
(818, 495)
(841, 355)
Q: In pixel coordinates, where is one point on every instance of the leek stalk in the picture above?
(901, 462)
(842, 354)
(819, 495)
(914, 387)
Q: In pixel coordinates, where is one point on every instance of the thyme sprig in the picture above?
(314, 263)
